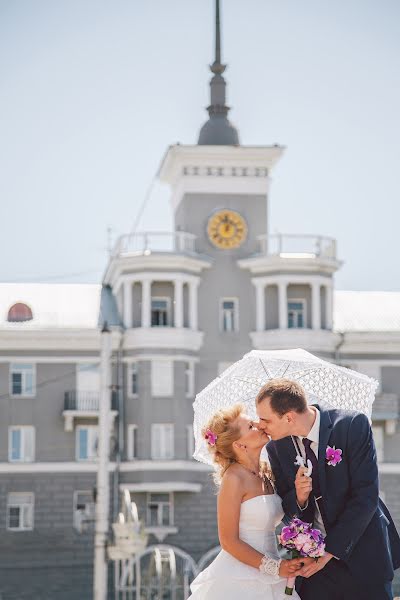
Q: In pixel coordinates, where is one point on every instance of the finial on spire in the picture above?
(218, 130)
(217, 67)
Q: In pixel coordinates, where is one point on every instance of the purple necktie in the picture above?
(310, 455)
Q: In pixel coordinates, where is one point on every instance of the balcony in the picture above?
(84, 405)
(155, 241)
(293, 252)
(139, 251)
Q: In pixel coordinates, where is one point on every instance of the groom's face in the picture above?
(275, 425)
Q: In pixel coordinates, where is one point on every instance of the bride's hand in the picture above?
(289, 568)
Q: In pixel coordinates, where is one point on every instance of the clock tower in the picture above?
(219, 187)
(219, 194)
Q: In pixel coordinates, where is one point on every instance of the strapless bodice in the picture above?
(259, 517)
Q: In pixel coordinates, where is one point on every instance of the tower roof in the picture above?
(218, 130)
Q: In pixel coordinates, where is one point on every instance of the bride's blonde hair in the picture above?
(223, 425)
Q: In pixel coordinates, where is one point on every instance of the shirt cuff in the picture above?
(304, 507)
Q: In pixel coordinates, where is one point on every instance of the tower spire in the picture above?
(218, 130)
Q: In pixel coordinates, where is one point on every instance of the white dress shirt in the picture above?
(313, 436)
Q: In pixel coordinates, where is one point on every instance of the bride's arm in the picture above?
(229, 502)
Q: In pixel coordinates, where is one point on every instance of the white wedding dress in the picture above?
(226, 578)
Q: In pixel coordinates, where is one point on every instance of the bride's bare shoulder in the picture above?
(233, 477)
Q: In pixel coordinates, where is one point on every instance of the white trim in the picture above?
(93, 431)
(162, 486)
(77, 521)
(179, 157)
(167, 299)
(23, 429)
(163, 337)
(171, 510)
(304, 302)
(264, 263)
(316, 315)
(175, 357)
(313, 340)
(189, 378)
(91, 467)
(14, 369)
(389, 468)
(30, 505)
(371, 342)
(132, 433)
(70, 415)
(48, 359)
(146, 275)
(136, 266)
(161, 532)
(235, 301)
(164, 465)
(379, 440)
(54, 339)
(190, 442)
(166, 433)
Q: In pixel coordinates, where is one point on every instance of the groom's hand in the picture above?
(303, 485)
(312, 566)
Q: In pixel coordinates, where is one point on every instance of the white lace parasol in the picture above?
(323, 382)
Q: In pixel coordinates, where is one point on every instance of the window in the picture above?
(162, 378)
(189, 379)
(19, 313)
(84, 510)
(160, 312)
(159, 511)
(21, 444)
(229, 314)
(86, 442)
(296, 314)
(22, 379)
(132, 442)
(162, 441)
(133, 379)
(20, 511)
(190, 440)
(377, 432)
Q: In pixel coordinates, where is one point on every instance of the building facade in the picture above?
(182, 306)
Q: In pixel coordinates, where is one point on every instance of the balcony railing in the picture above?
(157, 241)
(288, 245)
(86, 401)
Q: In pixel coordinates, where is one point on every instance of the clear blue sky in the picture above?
(92, 92)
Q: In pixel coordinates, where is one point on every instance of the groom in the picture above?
(341, 497)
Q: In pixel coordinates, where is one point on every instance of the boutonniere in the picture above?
(333, 456)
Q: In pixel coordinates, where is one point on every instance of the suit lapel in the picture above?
(287, 451)
(325, 430)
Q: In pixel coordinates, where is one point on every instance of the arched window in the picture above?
(19, 312)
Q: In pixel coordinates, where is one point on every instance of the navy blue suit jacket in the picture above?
(360, 530)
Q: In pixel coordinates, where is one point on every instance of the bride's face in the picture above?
(250, 435)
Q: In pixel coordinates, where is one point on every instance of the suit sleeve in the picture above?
(286, 489)
(363, 493)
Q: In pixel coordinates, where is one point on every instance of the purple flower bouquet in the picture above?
(300, 539)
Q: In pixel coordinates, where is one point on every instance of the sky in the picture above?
(92, 92)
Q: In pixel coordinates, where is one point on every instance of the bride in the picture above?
(248, 565)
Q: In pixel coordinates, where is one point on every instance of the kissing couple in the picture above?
(337, 492)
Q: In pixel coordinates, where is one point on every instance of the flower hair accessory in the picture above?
(333, 456)
(210, 437)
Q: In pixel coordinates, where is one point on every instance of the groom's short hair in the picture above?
(284, 395)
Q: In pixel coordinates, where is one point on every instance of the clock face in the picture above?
(226, 229)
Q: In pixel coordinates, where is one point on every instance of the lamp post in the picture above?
(103, 493)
